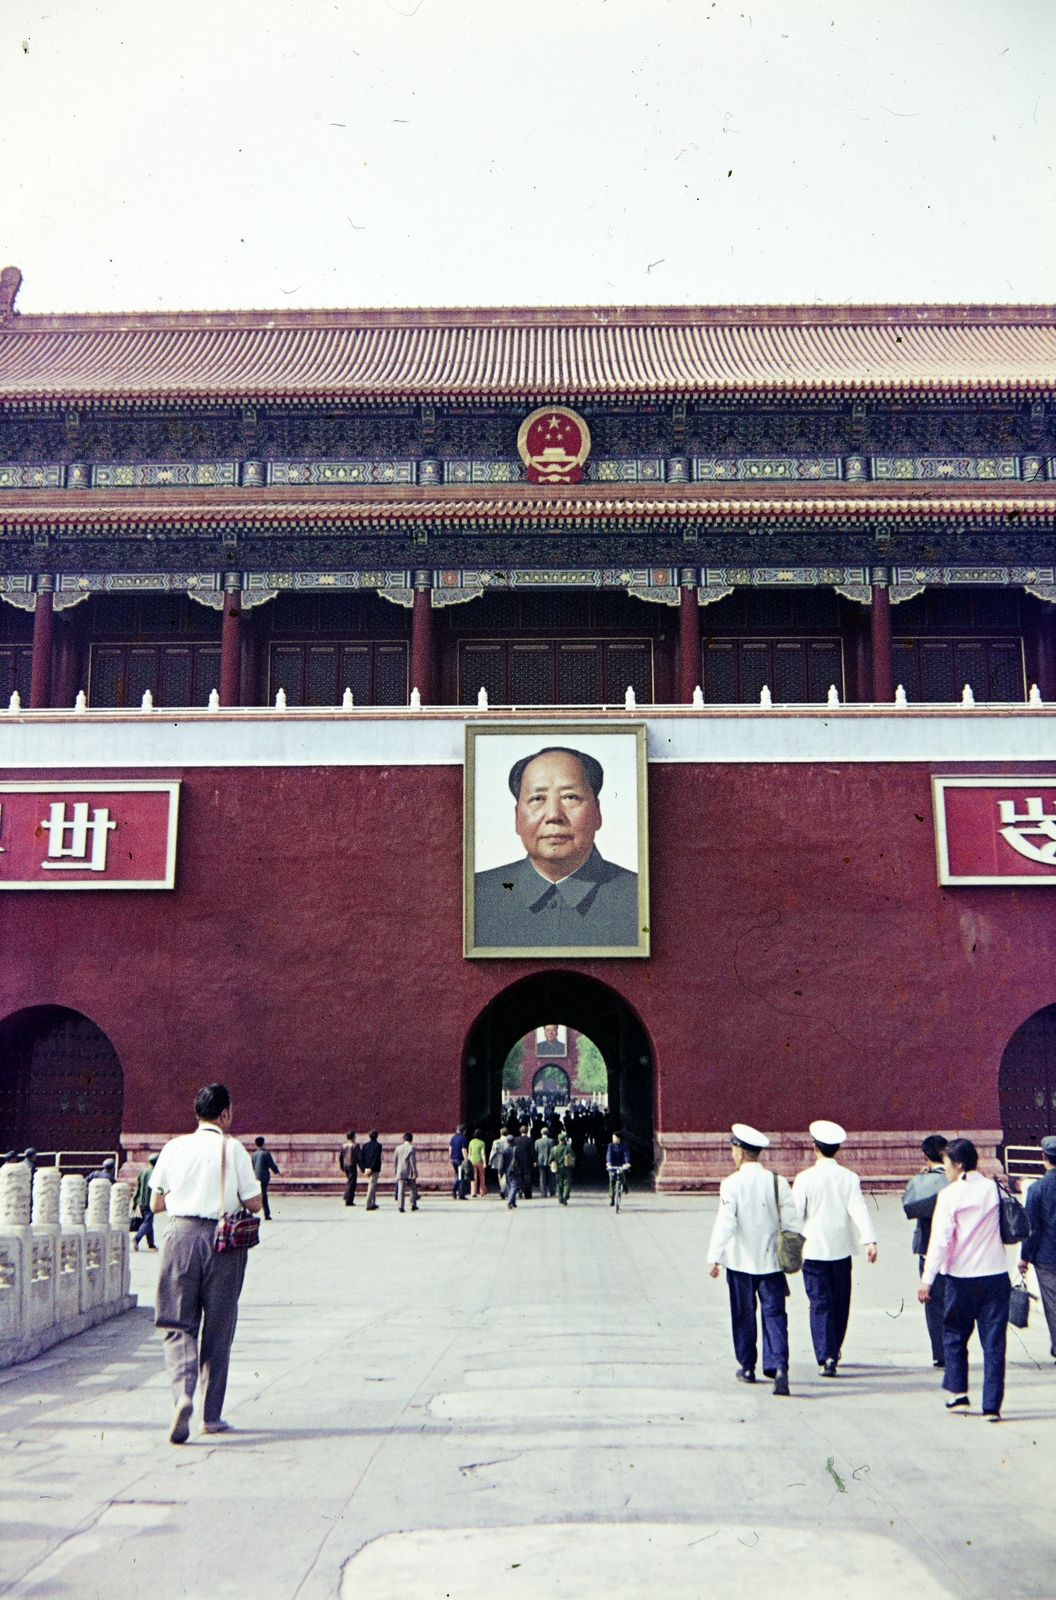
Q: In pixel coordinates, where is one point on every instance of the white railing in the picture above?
(1024, 1161)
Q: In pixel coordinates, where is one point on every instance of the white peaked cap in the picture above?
(827, 1132)
(748, 1135)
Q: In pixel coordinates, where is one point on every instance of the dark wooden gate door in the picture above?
(1026, 1083)
(61, 1084)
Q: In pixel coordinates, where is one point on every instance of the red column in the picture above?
(690, 671)
(43, 635)
(422, 638)
(231, 649)
(880, 619)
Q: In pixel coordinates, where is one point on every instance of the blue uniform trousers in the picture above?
(771, 1288)
(828, 1286)
(980, 1303)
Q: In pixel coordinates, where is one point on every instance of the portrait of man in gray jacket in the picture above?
(562, 893)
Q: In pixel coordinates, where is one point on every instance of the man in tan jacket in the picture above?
(406, 1167)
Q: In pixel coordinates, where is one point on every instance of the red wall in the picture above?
(804, 961)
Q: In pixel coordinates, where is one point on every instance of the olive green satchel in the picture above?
(789, 1244)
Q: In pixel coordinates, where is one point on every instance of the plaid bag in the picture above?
(236, 1230)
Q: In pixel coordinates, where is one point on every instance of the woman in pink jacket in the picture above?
(966, 1246)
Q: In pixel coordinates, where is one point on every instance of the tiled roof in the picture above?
(1006, 503)
(524, 355)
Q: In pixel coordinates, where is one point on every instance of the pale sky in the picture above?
(442, 152)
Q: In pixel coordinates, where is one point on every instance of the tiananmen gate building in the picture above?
(268, 577)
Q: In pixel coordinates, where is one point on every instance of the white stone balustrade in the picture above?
(46, 1195)
(60, 1272)
(72, 1200)
(15, 1194)
(97, 1211)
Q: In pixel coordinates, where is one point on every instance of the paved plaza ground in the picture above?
(539, 1404)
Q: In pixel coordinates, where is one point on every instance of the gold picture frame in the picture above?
(503, 917)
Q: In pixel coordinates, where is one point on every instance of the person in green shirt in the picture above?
(564, 1159)
(478, 1155)
(141, 1203)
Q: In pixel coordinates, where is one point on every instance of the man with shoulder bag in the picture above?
(918, 1202)
(755, 1210)
(205, 1182)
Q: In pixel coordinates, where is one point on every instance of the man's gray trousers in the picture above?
(198, 1289)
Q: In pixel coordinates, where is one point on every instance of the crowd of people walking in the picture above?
(767, 1228)
(534, 1152)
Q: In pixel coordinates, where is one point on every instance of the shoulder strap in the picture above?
(223, 1174)
(777, 1202)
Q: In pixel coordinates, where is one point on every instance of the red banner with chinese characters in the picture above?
(995, 830)
(88, 835)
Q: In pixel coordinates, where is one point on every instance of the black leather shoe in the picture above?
(961, 1403)
(780, 1381)
(769, 1372)
(829, 1369)
(940, 1364)
(744, 1375)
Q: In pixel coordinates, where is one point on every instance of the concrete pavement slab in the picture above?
(416, 1398)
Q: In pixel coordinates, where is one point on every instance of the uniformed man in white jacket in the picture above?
(744, 1241)
(836, 1223)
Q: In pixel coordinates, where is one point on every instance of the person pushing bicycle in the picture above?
(617, 1164)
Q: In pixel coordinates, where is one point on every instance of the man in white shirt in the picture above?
(197, 1287)
(835, 1222)
(744, 1240)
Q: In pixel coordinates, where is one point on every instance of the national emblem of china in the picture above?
(553, 444)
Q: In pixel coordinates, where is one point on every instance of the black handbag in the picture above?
(1015, 1224)
(1019, 1305)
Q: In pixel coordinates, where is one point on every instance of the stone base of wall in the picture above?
(12, 1351)
(685, 1162)
(697, 1162)
(308, 1161)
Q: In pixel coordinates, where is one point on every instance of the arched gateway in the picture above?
(580, 1002)
(61, 1083)
(1026, 1082)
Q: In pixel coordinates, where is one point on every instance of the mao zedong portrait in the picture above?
(562, 891)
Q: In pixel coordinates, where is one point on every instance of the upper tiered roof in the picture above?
(527, 354)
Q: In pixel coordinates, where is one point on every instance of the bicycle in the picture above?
(621, 1184)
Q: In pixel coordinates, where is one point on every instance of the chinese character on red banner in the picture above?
(88, 835)
(995, 830)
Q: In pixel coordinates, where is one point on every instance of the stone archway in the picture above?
(1026, 1080)
(554, 1078)
(590, 1007)
(61, 1083)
